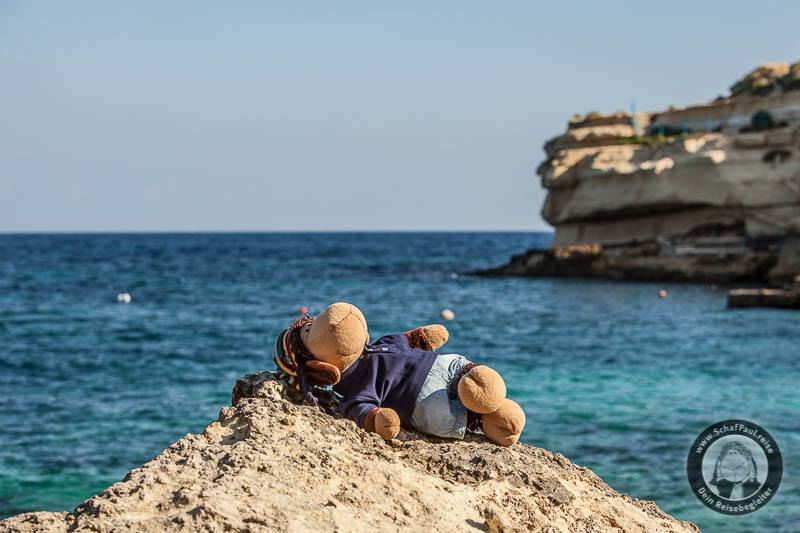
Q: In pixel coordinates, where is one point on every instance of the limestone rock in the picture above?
(708, 193)
(759, 78)
(268, 464)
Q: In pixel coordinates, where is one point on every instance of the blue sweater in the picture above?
(389, 374)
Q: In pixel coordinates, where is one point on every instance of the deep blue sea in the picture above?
(610, 375)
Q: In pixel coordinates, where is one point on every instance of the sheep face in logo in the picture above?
(735, 463)
(735, 472)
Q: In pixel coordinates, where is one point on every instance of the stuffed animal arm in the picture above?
(383, 421)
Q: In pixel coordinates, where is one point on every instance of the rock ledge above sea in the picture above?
(706, 193)
(269, 464)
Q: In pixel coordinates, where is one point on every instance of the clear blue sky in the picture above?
(334, 115)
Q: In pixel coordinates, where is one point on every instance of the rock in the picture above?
(646, 261)
(761, 76)
(269, 464)
(778, 298)
(704, 193)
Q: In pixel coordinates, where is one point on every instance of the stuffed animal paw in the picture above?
(482, 390)
(383, 421)
(428, 338)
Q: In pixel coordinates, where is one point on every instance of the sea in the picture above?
(609, 374)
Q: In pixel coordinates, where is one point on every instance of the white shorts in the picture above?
(438, 410)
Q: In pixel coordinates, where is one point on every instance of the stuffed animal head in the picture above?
(337, 336)
(315, 351)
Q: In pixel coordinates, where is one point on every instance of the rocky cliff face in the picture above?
(269, 465)
(705, 193)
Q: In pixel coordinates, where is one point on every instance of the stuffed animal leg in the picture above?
(504, 425)
(483, 391)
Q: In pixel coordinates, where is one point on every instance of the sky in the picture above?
(295, 116)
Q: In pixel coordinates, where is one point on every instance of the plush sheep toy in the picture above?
(400, 380)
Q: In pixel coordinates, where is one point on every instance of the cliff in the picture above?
(709, 192)
(269, 464)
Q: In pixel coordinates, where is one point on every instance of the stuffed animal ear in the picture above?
(321, 374)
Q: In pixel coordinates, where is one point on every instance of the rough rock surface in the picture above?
(269, 464)
(704, 193)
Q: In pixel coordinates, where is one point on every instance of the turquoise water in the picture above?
(609, 375)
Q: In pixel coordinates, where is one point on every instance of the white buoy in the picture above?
(662, 294)
(124, 298)
(448, 314)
